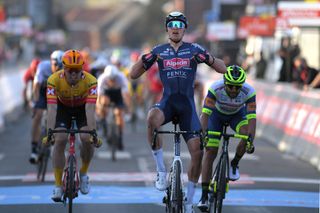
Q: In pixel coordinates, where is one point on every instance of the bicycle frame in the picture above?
(174, 198)
(219, 183)
(71, 168)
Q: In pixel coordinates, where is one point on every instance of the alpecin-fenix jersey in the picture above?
(177, 69)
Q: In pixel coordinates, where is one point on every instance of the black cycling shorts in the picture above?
(115, 97)
(65, 114)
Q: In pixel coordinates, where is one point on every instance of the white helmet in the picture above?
(111, 71)
(57, 56)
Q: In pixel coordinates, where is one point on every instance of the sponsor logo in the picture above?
(93, 91)
(177, 74)
(176, 63)
(50, 91)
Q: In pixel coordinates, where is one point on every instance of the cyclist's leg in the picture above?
(102, 109)
(211, 150)
(189, 121)
(39, 107)
(239, 124)
(155, 118)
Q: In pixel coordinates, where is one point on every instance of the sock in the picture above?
(84, 168)
(205, 189)
(191, 188)
(34, 146)
(236, 160)
(158, 157)
(58, 176)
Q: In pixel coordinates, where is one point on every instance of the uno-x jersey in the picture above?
(85, 91)
(177, 70)
(227, 105)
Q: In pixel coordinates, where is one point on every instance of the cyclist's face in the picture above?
(73, 75)
(176, 30)
(54, 65)
(232, 90)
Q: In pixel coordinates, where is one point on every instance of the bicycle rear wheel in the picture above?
(221, 185)
(71, 182)
(176, 189)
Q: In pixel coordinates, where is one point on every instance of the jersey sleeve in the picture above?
(124, 83)
(251, 105)
(209, 102)
(92, 93)
(51, 90)
(199, 50)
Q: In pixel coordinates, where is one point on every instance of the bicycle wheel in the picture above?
(176, 189)
(43, 162)
(71, 182)
(221, 185)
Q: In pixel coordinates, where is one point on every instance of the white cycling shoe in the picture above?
(161, 182)
(234, 173)
(84, 184)
(57, 194)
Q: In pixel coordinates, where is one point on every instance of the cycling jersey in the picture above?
(228, 110)
(121, 82)
(43, 73)
(85, 91)
(177, 70)
(224, 103)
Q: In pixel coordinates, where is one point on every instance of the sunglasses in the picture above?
(231, 87)
(73, 70)
(176, 24)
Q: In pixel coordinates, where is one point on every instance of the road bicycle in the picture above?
(71, 175)
(219, 182)
(175, 190)
(112, 132)
(43, 152)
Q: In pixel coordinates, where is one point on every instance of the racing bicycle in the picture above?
(71, 175)
(175, 190)
(219, 182)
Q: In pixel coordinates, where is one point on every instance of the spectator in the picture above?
(302, 74)
(261, 67)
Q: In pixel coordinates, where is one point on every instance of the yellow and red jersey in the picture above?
(85, 91)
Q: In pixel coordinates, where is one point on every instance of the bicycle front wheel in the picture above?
(71, 181)
(176, 187)
(221, 184)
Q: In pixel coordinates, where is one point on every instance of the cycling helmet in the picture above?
(111, 71)
(176, 16)
(235, 75)
(72, 59)
(57, 56)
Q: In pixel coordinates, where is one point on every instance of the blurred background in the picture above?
(241, 31)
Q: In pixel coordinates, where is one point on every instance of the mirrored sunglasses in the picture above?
(176, 24)
(236, 87)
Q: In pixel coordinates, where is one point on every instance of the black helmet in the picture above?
(178, 16)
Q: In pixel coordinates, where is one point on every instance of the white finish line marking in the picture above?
(186, 155)
(150, 177)
(121, 155)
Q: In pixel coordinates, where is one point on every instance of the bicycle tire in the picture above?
(177, 197)
(71, 182)
(221, 185)
(114, 142)
(45, 162)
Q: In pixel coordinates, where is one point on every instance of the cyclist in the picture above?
(44, 70)
(71, 93)
(177, 62)
(28, 76)
(112, 88)
(229, 100)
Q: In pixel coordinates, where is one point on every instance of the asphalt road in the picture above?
(270, 180)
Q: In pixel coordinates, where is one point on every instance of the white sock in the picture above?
(158, 157)
(191, 188)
